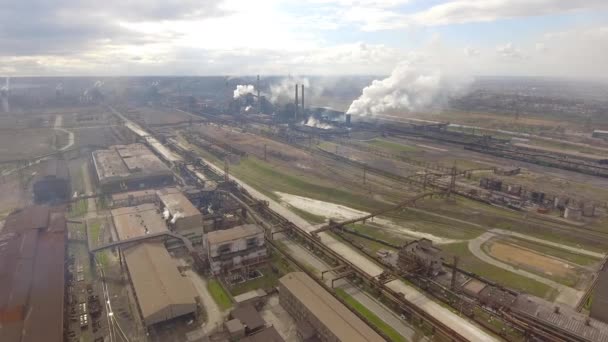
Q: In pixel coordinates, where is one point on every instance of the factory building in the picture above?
(600, 134)
(177, 210)
(320, 316)
(52, 182)
(130, 167)
(599, 305)
(421, 256)
(162, 293)
(32, 275)
(181, 214)
(232, 249)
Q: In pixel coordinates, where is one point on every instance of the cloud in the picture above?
(67, 27)
(509, 51)
(468, 11)
(471, 52)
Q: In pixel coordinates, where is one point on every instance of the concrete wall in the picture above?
(236, 245)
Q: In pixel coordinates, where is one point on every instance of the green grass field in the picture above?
(515, 281)
(78, 209)
(370, 316)
(392, 146)
(219, 294)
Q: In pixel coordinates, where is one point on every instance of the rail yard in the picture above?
(183, 223)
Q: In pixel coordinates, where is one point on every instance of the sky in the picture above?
(557, 38)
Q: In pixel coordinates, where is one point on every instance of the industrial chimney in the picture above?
(259, 99)
(296, 113)
(302, 98)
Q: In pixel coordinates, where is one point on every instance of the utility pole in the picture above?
(226, 170)
(452, 181)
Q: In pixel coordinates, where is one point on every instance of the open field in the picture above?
(548, 267)
(149, 116)
(26, 143)
(220, 296)
(470, 263)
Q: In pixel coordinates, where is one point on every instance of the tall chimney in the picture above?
(259, 99)
(296, 113)
(302, 98)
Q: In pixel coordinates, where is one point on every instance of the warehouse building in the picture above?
(181, 214)
(162, 293)
(320, 316)
(130, 167)
(230, 250)
(599, 305)
(51, 182)
(600, 134)
(32, 275)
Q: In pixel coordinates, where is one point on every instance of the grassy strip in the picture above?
(509, 279)
(370, 316)
(268, 178)
(220, 296)
(392, 146)
(79, 208)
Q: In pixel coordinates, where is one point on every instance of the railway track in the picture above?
(438, 328)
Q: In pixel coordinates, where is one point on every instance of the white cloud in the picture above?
(509, 51)
(466, 11)
(471, 52)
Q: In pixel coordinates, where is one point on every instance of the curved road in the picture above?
(567, 295)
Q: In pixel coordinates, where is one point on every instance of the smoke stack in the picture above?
(302, 98)
(296, 113)
(259, 99)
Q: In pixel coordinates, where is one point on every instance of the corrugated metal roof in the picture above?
(226, 235)
(157, 282)
(344, 324)
(32, 278)
(137, 221)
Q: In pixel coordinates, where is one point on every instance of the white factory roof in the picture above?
(236, 233)
(176, 202)
(139, 220)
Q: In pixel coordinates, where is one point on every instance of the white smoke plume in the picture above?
(409, 88)
(242, 90)
(312, 122)
(175, 217)
(166, 213)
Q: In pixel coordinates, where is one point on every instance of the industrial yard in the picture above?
(185, 220)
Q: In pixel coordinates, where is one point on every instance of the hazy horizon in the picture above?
(539, 38)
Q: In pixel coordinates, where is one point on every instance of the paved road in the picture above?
(499, 231)
(567, 295)
(58, 124)
(215, 316)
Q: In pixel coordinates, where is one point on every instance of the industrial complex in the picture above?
(235, 215)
